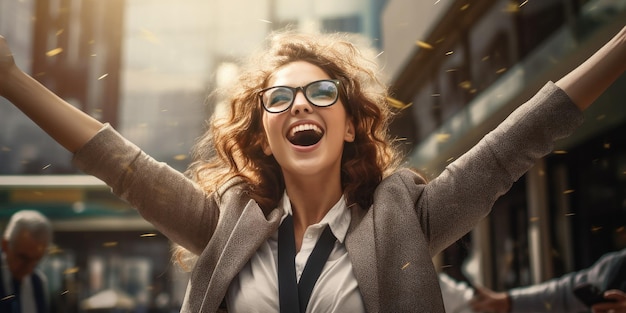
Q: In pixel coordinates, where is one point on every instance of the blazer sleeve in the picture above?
(172, 202)
(468, 187)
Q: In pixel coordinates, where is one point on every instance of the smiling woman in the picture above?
(295, 201)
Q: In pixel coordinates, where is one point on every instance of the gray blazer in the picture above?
(390, 244)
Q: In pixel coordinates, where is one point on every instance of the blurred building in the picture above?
(464, 66)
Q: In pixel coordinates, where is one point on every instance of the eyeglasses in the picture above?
(321, 93)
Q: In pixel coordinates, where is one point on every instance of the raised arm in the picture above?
(589, 80)
(68, 125)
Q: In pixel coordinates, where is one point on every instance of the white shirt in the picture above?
(255, 288)
(27, 295)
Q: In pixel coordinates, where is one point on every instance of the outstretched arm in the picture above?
(589, 80)
(68, 125)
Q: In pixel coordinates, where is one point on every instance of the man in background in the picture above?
(25, 242)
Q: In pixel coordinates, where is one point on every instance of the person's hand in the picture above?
(6, 62)
(487, 300)
(618, 306)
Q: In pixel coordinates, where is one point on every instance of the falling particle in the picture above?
(59, 32)
(465, 7)
(568, 191)
(398, 104)
(500, 71)
(149, 36)
(607, 145)
(596, 228)
(436, 2)
(436, 95)
(511, 8)
(620, 229)
(148, 235)
(103, 76)
(266, 21)
(560, 152)
(180, 157)
(7, 297)
(449, 52)
(406, 265)
(71, 270)
(600, 117)
(442, 137)
(485, 58)
(110, 244)
(523, 3)
(533, 219)
(54, 52)
(65, 292)
(451, 70)
(450, 160)
(466, 85)
(46, 167)
(570, 214)
(381, 53)
(424, 45)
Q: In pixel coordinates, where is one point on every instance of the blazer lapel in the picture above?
(249, 232)
(361, 246)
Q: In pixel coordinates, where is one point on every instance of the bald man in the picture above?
(24, 244)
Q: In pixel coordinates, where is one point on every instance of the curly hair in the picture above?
(233, 144)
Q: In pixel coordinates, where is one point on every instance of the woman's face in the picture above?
(306, 139)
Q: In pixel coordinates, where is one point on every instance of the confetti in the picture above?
(406, 265)
(568, 191)
(424, 45)
(398, 104)
(54, 52)
(110, 244)
(103, 76)
(148, 235)
(71, 270)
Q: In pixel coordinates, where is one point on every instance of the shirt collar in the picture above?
(338, 217)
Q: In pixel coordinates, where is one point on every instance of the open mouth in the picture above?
(305, 135)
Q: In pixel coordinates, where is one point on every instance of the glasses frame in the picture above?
(295, 90)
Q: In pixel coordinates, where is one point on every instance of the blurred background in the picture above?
(457, 68)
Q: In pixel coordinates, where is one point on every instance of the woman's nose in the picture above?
(301, 104)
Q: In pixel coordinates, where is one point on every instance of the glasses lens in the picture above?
(322, 93)
(277, 99)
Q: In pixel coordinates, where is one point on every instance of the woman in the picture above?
(305, 146)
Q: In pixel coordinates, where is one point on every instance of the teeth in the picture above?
(304, 127)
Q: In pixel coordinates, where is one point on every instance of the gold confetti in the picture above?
(148, 235)
(511, 7)
(71, 270)
(523, 3)
(449, 52)
(442, 137)
(568, 191)
(596, 228)
(266, 21)
(570, 214)
(59, 32)
(45, 167)
(607, 145)
(110, 244)
(54, 52)
(180, 157)
(424, 45)
(65, 292)
(466, 85)
(502, 70)
(103, 76)
(533, 219)
(395, 103)
(560, 152)
(465, 7)
(406, 265)
(450, 159)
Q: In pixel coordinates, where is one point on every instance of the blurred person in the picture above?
(25, 242)
(607, 274)
(456, 294)
(303, 160)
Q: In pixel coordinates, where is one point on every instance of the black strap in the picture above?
(287, 285)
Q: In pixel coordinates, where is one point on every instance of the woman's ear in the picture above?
(350, 132)
(266, 147)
